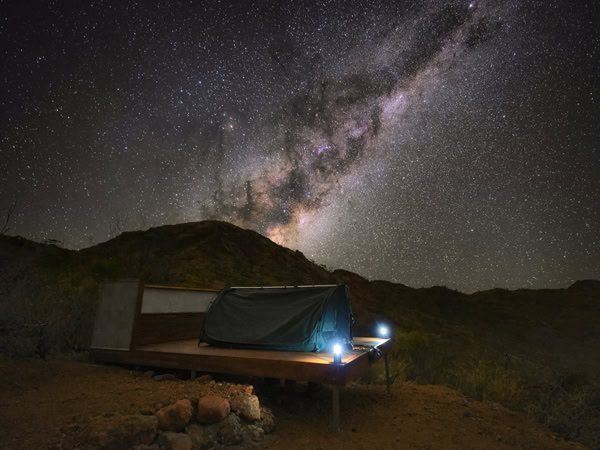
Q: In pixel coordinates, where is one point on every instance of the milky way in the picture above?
(452, 143)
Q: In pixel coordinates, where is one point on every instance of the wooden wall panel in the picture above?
(156, 328)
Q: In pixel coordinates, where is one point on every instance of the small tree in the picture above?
(7, 218)
(117, 225)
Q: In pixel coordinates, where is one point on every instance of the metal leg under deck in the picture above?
(336, 408)
(387, 374)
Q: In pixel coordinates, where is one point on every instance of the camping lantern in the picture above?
(337, 354)
(383, 331)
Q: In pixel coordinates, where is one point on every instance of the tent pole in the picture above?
(336, 408)
(387, 374)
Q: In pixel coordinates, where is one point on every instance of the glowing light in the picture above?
(337, 354)
(383, 331)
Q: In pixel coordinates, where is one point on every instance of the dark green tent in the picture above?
(306, 318)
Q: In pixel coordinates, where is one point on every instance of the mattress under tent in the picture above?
(160, 326)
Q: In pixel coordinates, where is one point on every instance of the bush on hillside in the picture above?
(52, 310)
(488, 380)
(415, 356)
(56, 318)
(571, 410)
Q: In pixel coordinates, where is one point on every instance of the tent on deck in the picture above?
(305, 318)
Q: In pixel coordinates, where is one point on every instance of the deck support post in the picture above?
(192, 374)
(387, 374)
(336, 408)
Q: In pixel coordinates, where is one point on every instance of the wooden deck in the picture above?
(300, 366)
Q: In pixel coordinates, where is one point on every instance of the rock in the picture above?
(176, 416)
(174, 441)
(164, 377)
(241, 389)
(212, 409)
(122, 431)
(148, 374)
(247, 406)
(203, 437)
(230, 431)
(257, 434)
(204, 379)
(267, 420)
(70, 429)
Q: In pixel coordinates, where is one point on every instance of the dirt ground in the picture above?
(43, 403)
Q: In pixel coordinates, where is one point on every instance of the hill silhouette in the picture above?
(508, 346)
(586, 284)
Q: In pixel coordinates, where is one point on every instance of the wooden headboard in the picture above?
(159, 317)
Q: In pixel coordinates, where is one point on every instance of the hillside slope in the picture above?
(556, 328)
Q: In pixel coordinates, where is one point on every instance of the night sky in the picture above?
(447, 143)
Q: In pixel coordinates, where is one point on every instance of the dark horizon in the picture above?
(444, 143)
(577, 284)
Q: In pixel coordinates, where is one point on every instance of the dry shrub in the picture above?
(375, 374)
(488, 380)
(415, 356)
(570, 410)
(47, 315)
(422, 355)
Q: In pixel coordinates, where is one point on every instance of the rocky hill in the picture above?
(500, 345)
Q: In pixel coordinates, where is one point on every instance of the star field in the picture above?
(428, 143)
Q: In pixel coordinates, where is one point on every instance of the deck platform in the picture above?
(299, 366)
(157, 326)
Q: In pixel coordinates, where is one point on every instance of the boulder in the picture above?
(237, 389)
(119, 431)
(204, 437)
(255, 433)
(204, 379)
(247, 406)
(176, 416)
(164, 377)
(174, 441)
(212, 409)
(267, 420)
(230, 431)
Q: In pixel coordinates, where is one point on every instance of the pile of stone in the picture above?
(209, 422)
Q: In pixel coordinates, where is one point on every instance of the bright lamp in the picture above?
(337, 354)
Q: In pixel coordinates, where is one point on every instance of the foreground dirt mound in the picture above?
(415, 417)
(47, 404)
